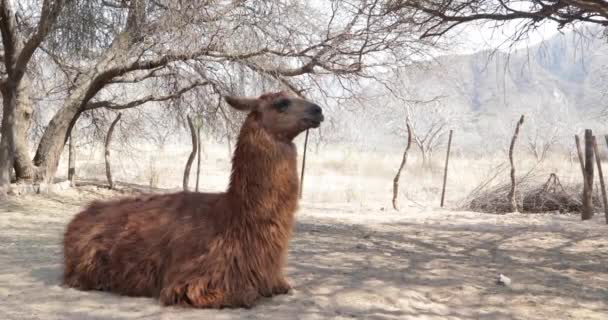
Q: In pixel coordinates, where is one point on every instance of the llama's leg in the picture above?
(85, 254)
(281, 286)
(192, 296)
(276, 286)
(87, 271)
(198, 296)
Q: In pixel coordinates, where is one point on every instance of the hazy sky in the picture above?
(476, 37)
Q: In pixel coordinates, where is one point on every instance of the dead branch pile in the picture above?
(532, 197)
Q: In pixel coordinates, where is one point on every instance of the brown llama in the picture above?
(206, 250)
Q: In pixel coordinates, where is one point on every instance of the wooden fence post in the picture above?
(588, 178)
(600, 174)
(72, 162)
(579, 152)
(198, 152)
(403, 162)
(445, 170)
(303, 164)
(511, 195)
(107, 151)
(192, 153)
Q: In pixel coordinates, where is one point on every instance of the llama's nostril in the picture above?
(316, 110)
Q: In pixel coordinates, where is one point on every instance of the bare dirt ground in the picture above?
(346, 262)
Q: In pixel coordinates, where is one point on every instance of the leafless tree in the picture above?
(119, 55)
(547, 125)
(541, 141)
(17, 52)
(430, 121)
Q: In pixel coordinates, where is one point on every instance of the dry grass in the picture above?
(337, 174)
(348, 258)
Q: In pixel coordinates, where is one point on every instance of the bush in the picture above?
(532, 197)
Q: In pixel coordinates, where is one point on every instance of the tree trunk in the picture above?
(511, 195)
(53, 141)
(424, 159)
(107, 151)
(198, 154)
(115, 61)
(24, 168)
(72, 162)
(425, 152)
(402, 165)
(588, 180)
(7, 141)
(192, 154)
(59, 128)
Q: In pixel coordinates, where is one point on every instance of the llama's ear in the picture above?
(243, 104)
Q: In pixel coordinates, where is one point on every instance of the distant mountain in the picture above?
(560, 82)
(564, 70)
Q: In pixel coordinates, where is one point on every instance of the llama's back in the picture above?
(121, 245)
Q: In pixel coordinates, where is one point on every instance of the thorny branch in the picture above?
(437, 17)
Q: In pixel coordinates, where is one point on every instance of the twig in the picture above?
(445, 171)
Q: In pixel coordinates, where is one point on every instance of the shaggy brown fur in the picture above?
(201, 249)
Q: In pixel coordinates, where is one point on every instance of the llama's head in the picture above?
(280, 113)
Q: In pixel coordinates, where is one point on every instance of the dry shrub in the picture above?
(532, 196)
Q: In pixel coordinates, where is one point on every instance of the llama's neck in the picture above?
(264, 180)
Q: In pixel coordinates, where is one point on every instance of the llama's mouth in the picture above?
(314, 122)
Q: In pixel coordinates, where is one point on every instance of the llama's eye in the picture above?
(281, 105)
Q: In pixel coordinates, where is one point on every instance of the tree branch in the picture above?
(437, 17)
(50, 12)
(149, 98)
(9, 35)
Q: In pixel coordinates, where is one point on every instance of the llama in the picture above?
(206, 250)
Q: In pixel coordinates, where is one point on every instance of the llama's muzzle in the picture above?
(315, 116)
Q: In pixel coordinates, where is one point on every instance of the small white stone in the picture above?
(503, 280)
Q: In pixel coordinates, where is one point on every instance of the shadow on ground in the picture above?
(343, 271)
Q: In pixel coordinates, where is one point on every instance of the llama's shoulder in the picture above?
(139, 204)
(179, 203)
(200, 201)
(139, 201)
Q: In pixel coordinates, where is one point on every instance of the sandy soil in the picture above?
(347, 262)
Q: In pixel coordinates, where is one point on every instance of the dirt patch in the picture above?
(346, 262)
